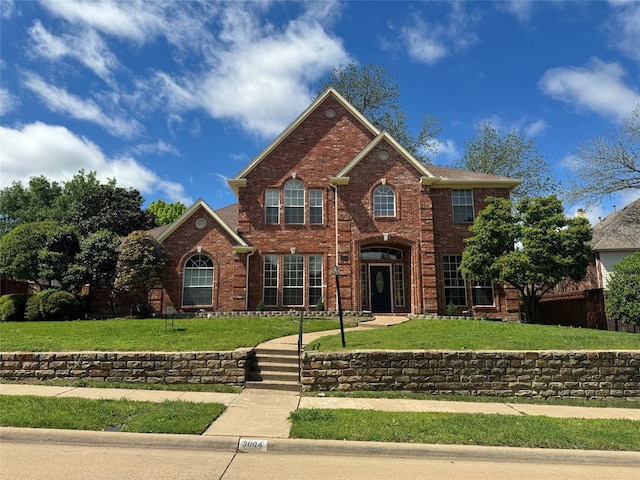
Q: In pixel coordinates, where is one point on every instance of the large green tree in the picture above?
(508, 155)
(531, 246)
(166, 213)
(609, 163)
(622, 297)
(373, 91)
(141, 266)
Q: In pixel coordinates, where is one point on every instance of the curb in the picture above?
(321, 447)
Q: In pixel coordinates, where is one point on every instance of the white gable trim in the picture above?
(240, 243)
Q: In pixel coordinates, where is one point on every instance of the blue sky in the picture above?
(174, 98)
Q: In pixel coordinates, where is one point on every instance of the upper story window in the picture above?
(294, 202)
(384, 202)
(272, 206)
(462, 201)
(315, 207)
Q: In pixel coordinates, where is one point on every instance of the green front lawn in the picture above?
(466, 429)
(478, 335)
(118, 415)
(194, 334)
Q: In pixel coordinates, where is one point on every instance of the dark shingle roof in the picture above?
(455, 174)
(619, 231)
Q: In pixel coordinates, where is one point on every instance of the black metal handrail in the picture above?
(300, 348)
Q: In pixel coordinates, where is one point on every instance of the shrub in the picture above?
(12, 307)
(260, 307)
(53, 305)
(621, 298)
(320, 306)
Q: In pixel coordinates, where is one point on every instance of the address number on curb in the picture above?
(252, 445)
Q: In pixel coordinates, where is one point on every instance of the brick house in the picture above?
(332, 190)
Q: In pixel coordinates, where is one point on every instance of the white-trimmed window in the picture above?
(315, 207)
(315, 279)
(398, 282)
(293, 281)
(384, 202)
(462, 201)
(455, 291)
(272, 206)
(294, 202)
(270, 288)
(482, 292)
(197, 283)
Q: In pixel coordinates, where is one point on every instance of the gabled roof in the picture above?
(437, 177)
(241, 246)
(619, 231)
(240, 179)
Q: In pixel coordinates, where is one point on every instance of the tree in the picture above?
(610, 163)
(107, 207)
(509, 155)
(38, 202)
(21, 255)
(373, 91)
(141, 265)
(622, 297)
(58, 254)
(531, 246)
(166, 213)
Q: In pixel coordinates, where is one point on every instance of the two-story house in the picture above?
(333, 191)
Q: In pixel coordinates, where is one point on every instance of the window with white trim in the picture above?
(294, 202)
(462, 201)
(315, 207)
(398, 282)
(197, 282)
(482, 292)
(270, 288)
(384, 202)
(272, 206)
(315, 279)
(293, 281)
(455, 291)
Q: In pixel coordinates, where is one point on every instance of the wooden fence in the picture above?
(584, 309)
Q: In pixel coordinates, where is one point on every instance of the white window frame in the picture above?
(482, 285)
(462, 201)
(454, 282)
(271, 202)
(316, 203)
(294, 196)
(383, 198)
(315, 279)
(198, 276)
(270, 279)
(293, 279)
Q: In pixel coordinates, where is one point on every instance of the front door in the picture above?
(380, 285)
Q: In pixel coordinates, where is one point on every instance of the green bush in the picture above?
(12, 307)
(621, 299)
(53, 304)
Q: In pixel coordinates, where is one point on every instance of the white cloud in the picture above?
(523, 125)
(87, 47)
(446, 150)
(7, 8)
(521, 9)
(8, 102)
(159, 147)
(59, 100)
(598, 87)
(58, 154)
(535, 128)
(428, 43)
(625, 27)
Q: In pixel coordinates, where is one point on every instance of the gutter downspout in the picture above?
(246, 281)
(335, 204)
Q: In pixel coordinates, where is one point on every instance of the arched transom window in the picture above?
(294, 202)
(198, 281)
(384, 202)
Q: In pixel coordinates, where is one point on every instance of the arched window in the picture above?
(197, 286)
(384, 202)
(294, 202)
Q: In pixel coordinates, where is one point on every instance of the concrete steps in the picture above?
(275, 369)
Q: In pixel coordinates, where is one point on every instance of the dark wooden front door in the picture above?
(380, 285)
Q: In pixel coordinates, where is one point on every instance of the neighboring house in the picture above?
(332, 190)
(614, 238)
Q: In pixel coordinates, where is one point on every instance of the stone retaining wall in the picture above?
(549, 374)
(137, 367)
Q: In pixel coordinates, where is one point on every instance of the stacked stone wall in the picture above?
(547, 374)
(230, 367)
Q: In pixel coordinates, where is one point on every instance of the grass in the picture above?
(116, 415)
(466, 429)
(196, 334)
(571, 402)
(478, 335)
(89, 383)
